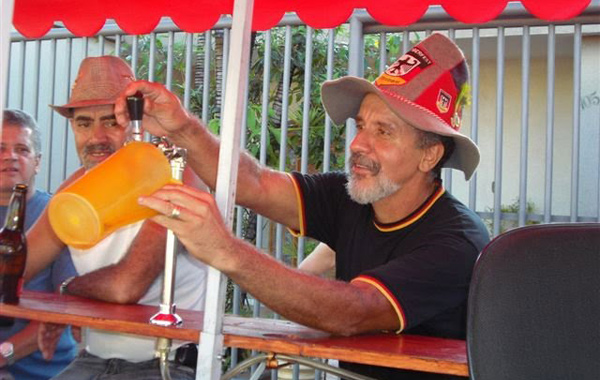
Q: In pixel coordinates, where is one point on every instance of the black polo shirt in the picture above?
(422, 263)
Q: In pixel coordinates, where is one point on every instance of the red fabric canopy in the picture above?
(34, 18)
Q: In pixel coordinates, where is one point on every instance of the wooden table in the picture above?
(390, 350)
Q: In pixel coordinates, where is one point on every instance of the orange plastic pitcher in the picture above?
(105, 198)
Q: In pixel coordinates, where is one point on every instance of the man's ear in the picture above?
(38, 160)
(431, 156)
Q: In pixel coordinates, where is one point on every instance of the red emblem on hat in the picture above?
(443, 101)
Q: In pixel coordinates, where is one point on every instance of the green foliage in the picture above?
(316, 117)
(511, 209)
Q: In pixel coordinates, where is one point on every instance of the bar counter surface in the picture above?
(391, 350)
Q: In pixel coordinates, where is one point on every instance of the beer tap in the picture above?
(135, 106)
(166, 315)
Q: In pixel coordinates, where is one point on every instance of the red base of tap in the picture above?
(163, 319)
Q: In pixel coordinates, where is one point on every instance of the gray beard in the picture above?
(382, 188)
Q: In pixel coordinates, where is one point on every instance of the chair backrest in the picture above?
(534, 305)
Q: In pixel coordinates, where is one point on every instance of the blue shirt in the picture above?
(34, 366)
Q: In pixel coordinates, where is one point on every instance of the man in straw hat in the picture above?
(126, 266)
(405, 248)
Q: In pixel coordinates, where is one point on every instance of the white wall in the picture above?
(563, 127)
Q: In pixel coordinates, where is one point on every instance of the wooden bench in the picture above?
(420, 353)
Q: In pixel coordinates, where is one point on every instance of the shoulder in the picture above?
(319, 180)
(451, 218)
(40, 196)
(35, 206)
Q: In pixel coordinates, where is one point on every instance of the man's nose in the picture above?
(361, 143)
(8, 154)
(99, 133)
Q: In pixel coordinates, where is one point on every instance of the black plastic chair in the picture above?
(534, 305)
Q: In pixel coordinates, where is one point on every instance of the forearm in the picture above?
(102, 284)
(320, 261)
(129, 279)
(333, 306)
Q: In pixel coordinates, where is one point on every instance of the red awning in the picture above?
(34, 18)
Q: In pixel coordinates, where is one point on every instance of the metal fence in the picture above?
(535, 109)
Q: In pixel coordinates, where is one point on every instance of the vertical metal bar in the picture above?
(525, 63)
(118, 45)
(23, 58)
(474, 111)
(327, 135)
(306, 103)
(239, 231)
(499, 131)
(382, 51)
(4, 73)
(69, 57)
(48, 150)
(264, 136)
(549, 123)
(448, 171)
(134, 55)
(206, 79)
(306, 120)
(189, 55)
(101, 43)
(356, 56)
(169, 75)
(576, 122)
(36, 72)
(211, 337)
(6, 13)
(84, 46)
(264, 122)
(152, 57)
(225, 66)
(284, 128)
(405, 41)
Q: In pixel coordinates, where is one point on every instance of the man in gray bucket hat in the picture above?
(405, 248)
(125, 267)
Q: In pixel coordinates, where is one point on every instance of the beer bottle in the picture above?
(13, 250)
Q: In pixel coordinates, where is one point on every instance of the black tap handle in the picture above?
(135, 106)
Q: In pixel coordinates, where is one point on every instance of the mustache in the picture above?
(362, 160)
(98, 148)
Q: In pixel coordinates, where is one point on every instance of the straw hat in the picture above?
(426, 87)
(100, 81)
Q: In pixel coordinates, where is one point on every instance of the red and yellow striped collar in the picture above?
(415, 215)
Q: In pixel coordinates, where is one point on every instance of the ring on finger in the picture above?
(175, 212)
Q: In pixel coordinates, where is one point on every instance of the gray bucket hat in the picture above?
(427, 87)
(99, 82)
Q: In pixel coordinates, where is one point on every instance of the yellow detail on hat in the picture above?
(388, 79)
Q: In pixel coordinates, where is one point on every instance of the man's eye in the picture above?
(111, 124)
(83, 124)
(23, 150)
(384, 132)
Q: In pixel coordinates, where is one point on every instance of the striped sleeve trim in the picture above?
(387, 294)
(300, 203)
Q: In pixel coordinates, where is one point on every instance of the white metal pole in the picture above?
(211, 337)
(6, 12)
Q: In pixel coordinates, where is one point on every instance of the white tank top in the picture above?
(190, 289)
